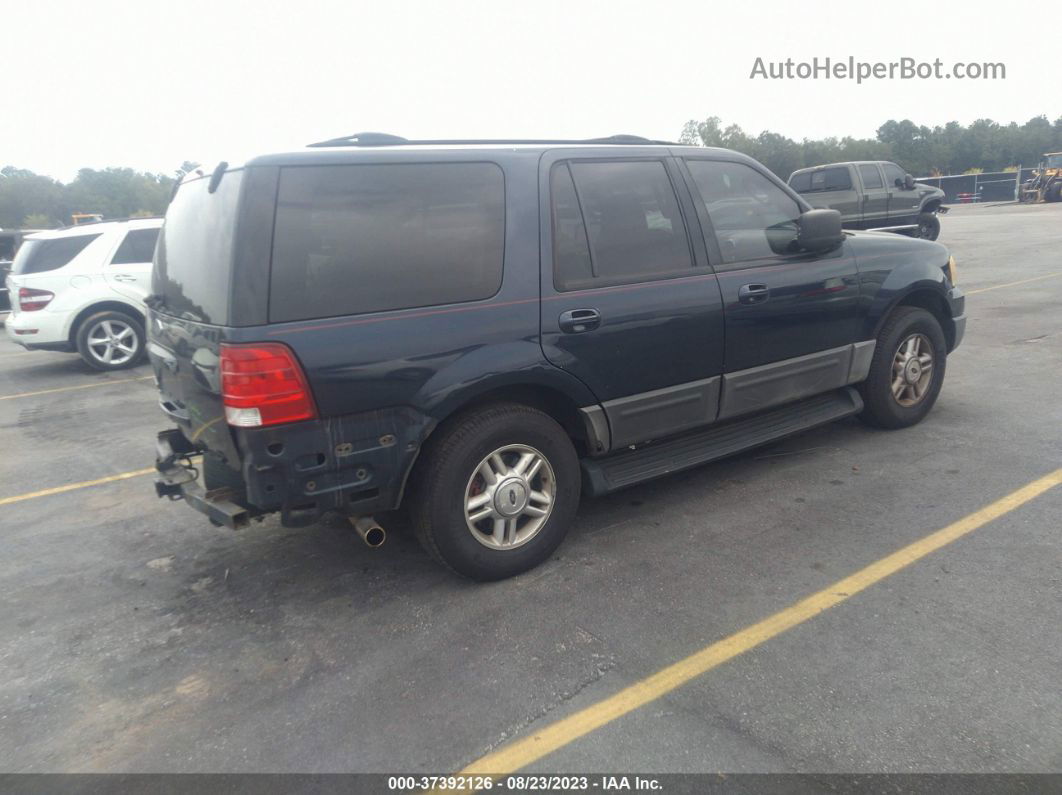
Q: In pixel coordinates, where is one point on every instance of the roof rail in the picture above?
(105, 221)
(386, 139)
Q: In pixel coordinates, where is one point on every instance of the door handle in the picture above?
(753, 293)
(576, 321)
(123, 277)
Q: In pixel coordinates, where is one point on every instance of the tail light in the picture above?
(263, 384)
(32, 300)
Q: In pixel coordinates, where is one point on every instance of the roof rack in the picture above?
(386, 139)
(104, 221)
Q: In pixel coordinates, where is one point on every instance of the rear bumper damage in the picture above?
(178, 479)
(355, 465)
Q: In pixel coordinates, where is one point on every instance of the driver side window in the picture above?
(893, 175)
(752, 217)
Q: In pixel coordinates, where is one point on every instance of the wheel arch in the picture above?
(933, 302)
(109, 305)
(551, 399)
(561, 404)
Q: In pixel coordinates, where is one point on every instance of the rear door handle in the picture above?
(753, 293)
(123, 277)
(576, 321)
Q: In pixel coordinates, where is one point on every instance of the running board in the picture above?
(619, 470)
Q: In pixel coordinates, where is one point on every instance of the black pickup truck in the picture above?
(873, 194)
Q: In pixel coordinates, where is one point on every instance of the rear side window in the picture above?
(837, 179)
(615, 223)
(371, 238)
(138, 246)
(38, 256)
(825, 179)
(870, 175)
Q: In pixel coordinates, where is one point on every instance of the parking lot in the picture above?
(137, 637)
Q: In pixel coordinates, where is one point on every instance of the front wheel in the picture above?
(907, 370)
(928, 226)
(111, 341)
(496, 491)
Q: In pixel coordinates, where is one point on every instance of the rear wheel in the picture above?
(496, 491)
(1054, 191)
(907, 370)
(928, 226)
(111, 341)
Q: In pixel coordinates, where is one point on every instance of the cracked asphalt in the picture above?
(135, 637)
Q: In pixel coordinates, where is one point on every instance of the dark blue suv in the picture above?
(478, 332)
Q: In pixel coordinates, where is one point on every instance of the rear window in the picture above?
(193, 261)
(38, 256)
(371, 238)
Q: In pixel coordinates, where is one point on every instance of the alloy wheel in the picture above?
(912, 370)
(112, 342)
(509, 497)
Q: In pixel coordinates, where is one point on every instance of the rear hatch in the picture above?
(190, 307)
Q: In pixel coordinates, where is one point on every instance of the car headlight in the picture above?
(952, 271)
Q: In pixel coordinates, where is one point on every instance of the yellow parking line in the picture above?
(556, 735)
(72, 388)
(74, 486)
(1014, 284)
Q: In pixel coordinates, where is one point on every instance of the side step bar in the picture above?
(619, 470)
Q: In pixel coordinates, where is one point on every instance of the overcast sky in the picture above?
(150, 84)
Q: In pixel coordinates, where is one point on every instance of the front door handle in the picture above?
(753, 293)
(124, 277)
(576, 321)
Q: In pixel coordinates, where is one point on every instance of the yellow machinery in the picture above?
(86, 218)
(1046, 182)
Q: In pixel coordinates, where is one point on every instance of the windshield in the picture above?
(193, 261)
(1054, 161)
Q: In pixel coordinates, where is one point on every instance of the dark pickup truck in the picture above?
(482, 332)
(873, 195)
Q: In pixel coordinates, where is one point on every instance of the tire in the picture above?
(103, 340)
(882, 407)
(1053, 192)
(448, 478)
(928, 226)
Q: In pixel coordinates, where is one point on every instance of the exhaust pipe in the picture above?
(371, 533)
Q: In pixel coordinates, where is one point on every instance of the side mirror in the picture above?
(819, 230)
(908, 182)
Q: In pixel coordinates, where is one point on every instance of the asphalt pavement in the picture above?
(136, 637)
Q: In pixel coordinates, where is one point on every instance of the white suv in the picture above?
(83, 289)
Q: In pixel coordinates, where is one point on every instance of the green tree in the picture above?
(37, 221)
(923, 151)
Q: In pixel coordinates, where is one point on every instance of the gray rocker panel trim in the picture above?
(664, 412)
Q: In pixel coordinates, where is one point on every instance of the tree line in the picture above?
(34, 201)
(923, 151)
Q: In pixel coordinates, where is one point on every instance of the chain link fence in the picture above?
(997, 186)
